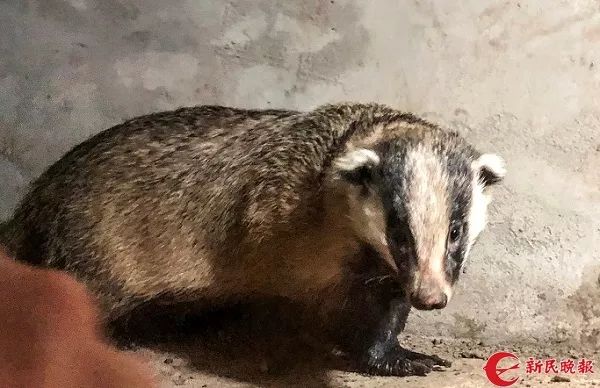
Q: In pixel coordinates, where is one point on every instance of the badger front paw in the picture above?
(401, 362)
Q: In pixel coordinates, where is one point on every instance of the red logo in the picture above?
(494, 372)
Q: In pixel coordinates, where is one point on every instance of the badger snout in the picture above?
(429, 301)
(429, 296)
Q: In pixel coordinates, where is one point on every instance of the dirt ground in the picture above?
(199, 364)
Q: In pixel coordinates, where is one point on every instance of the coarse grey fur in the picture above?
(228, 205)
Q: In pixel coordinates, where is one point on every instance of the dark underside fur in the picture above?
(135, 210)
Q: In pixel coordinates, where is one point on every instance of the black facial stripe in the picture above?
(398, 232)
(359, 176)
(400, 238)
(461, 178)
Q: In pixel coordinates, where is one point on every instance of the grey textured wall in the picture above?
(518, 77)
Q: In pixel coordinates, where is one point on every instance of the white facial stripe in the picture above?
(429, 213)
(448, 291)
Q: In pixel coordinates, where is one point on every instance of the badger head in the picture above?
(420, 201)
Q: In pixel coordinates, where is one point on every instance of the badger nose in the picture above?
(441, 302)
(429, 302)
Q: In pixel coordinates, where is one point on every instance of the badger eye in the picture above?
(455, 232)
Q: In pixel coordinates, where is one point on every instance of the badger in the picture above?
(355, 212)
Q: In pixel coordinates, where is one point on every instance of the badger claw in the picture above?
(403, 363)
(430, 360)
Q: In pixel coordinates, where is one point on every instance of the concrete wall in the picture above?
(521, 78)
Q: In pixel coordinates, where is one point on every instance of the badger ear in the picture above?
(490, 168)
(356, 166)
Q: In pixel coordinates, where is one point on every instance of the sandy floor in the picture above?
(187, 364)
